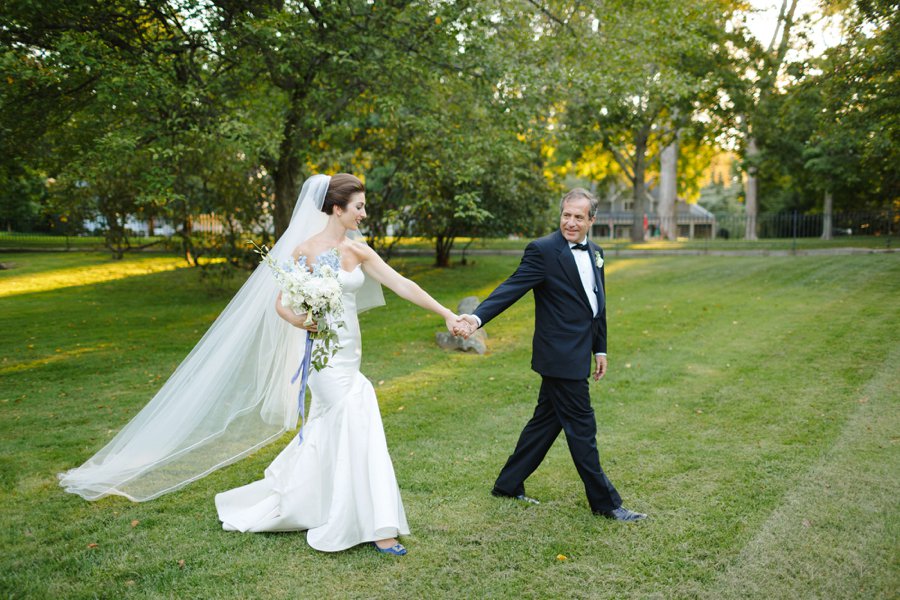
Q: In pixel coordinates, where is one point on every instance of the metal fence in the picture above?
(17, 240)
(781, 225)
(798, 225)
(712, 227)
(91, 235)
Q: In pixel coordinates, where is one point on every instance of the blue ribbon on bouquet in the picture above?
(304, 370)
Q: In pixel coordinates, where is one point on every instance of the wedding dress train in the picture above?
(339, 483)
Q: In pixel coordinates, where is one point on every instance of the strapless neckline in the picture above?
(321, 254)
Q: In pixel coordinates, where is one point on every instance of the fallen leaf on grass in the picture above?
(135, 523)
(561, 557)
(93, 545)
(181, 564)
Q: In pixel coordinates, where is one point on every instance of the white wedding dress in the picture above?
(339, 483)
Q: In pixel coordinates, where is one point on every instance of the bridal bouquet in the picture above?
(316, 293)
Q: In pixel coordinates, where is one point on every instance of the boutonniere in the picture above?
(598, 260)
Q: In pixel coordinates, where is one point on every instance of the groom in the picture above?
(565, 272)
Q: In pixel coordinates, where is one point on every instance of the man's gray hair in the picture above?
(576, 193)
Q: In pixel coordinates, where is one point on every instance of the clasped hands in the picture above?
(462, 325)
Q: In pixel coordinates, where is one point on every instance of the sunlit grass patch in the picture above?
(8, 367)
(12, 284)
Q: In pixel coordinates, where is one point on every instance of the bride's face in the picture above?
(354, 212)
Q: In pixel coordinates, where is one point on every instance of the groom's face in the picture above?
(574, 221)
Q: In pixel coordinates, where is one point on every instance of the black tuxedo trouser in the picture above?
(563, 404)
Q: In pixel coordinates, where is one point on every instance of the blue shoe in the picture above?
(397, 549)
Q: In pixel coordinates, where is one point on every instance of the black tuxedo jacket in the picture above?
(566, 334)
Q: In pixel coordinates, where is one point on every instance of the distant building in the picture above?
(615, 216)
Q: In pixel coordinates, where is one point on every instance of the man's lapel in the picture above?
(567, 262)
(598, 282)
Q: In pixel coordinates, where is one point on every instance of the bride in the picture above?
(232, 395)
(338, 483)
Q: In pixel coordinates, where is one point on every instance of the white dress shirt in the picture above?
(586, 272)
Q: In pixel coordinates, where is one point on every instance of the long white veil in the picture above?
(229, 397)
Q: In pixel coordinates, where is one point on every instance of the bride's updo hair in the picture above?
(340, 188)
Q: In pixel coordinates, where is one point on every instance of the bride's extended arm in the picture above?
(407, 289)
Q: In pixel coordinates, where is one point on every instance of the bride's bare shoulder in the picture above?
(307, 249)
(354, 247)
(359, 249)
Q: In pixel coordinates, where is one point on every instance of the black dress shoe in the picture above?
(622, 514)
(520, 497)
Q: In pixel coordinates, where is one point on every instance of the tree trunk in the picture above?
(187, 246)
(752, 203)
(287, 169)
(442, 246)
(285, 178)
(781, 36)
(668, 189)
(826, 215)
(639, 186)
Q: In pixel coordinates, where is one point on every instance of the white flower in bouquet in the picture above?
(316, 293)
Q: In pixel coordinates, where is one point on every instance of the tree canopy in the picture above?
(465, 118)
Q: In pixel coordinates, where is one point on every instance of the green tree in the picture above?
(462, 169)
(854, 150)
(829, 138)
(134, 111)
(447, 153)
(22, 192)
(321, 63)
(630, 92)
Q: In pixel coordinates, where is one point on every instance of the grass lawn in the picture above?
(751, 409)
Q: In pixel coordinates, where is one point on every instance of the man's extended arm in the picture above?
(529, 273)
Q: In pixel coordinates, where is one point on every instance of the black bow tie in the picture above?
(579, 247)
